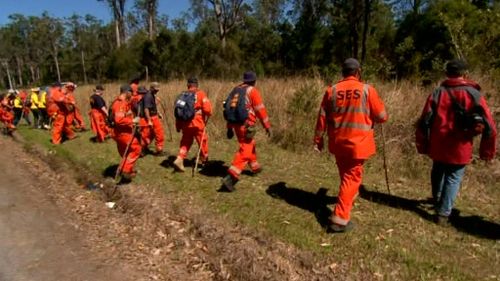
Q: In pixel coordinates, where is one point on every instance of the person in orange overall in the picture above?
(194, 129)
(136, 97)
(75, 118)
(245, 131)
(6, 113)
(61, 106)
(98, 114)
(347, 114)
(125, 133)
(150, 122)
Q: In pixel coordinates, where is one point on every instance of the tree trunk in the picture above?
(366, 24)
(19, 71)
(354, 24)
(6, 64)
(117, 33)
(151, 27)
(220, 22)
(83, 68)
(56, 62)
(32, 72)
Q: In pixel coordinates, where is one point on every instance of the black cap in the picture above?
(57, 84)
(125, 88)
(99, 87)
(456, 67)
(142, 90)
(249, 76)
(350, 64)
(192, 80)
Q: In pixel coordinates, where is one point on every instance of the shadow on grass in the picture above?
(474, 225)
(313, 202)
(110, 171)
(215, 168)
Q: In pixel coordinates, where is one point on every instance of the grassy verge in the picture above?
(394, 238)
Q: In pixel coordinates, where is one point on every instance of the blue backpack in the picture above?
(235, 111)
(184, 106)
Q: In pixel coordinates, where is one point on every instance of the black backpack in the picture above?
(110, 121)
(235, 106)
(184, 106)
(467, 120)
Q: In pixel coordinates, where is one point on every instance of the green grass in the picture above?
(388, 243)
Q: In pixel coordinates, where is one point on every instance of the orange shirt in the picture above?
(348, 112)
(122, 115)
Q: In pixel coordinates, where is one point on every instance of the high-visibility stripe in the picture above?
(265, 120)
(254, 165)
(363, 127)
(339, 220)
(259, 107)
(204, 100)
(364, 100)
(334, 97)
(352, 110)
(235, 169)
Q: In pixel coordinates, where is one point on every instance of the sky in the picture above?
(65, 8)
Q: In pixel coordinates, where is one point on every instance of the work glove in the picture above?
(229, 133)
(268, 132)
(135, 121)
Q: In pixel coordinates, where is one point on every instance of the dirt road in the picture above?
(37, 242)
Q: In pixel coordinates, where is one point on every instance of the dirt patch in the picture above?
(168, 238)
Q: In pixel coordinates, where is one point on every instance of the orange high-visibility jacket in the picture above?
(348, 112)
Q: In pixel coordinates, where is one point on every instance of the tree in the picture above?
(228, 15)
(118, 10)
(149, 9)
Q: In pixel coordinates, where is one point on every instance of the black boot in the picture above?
(228, 183)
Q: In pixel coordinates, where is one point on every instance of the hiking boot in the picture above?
(128, 176)
(338, 228)
(442, 220)
(257, 171)
(158, 153)
(179, 164)
(228, 183)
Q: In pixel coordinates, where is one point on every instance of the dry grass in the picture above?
(394, 239)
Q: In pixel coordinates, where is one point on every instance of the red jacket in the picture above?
(437, 134)
(348, 112)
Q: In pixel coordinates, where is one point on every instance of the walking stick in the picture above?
(195, 166)
(122, 163)
(385, 158)
(166, 121)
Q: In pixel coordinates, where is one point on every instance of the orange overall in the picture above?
(247, 153)
(6, 114)
(348, 112)
(153, 130)
(98, 117)
(193, 129)
(123, 134)
(60, 106)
